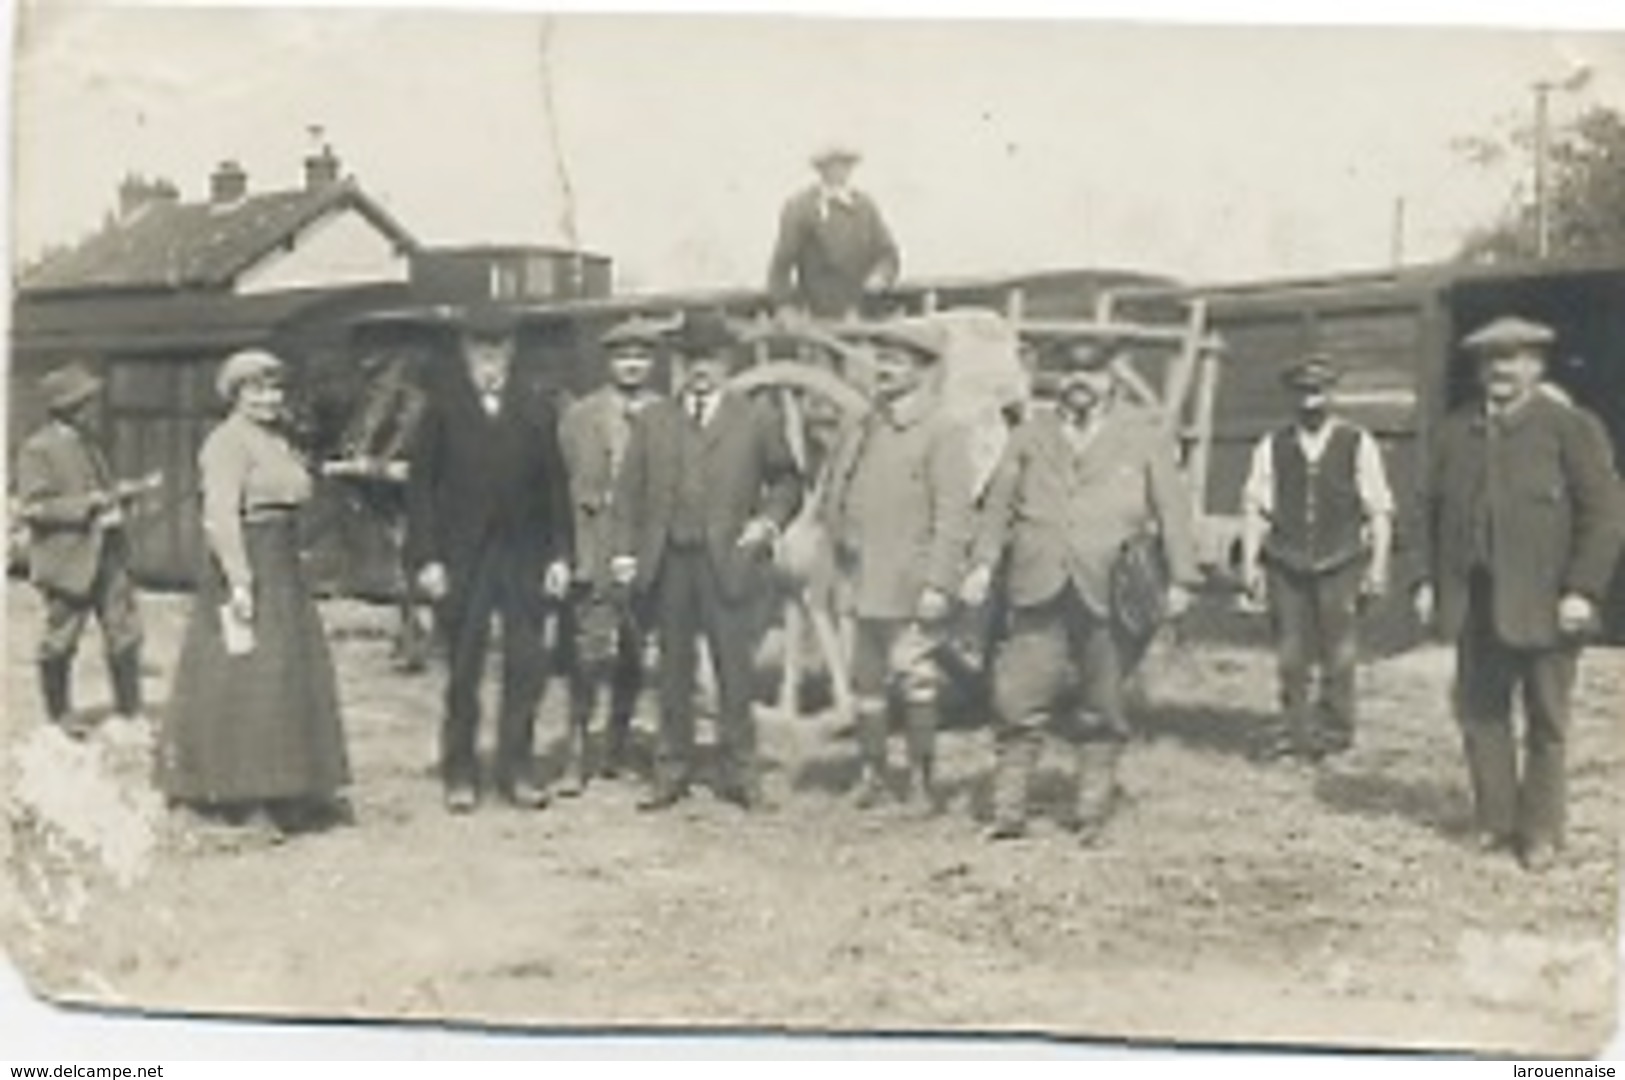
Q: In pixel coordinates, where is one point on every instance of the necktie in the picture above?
(697, 402)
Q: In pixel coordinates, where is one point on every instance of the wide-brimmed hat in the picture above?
(1312, 374)
(922, 337)
(704, 333)
(488, 321)
(636, 333)
(1509, 334)
(68, 387)
(240, 368)
(835, 151)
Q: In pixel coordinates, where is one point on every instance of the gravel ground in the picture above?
(1232, 901)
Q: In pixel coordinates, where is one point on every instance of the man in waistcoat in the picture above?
(833, 245)
(1317, 531)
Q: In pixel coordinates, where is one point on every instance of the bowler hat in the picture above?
(1312, 373)
(922, 337)
(243, 367)
(488, 320)
(705, 333)
(68, 387)
(635, 333)
(1509, 334)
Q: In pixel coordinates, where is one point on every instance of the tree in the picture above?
(1585, 192)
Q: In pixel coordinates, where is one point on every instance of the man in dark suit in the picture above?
(79, 555)
(1524, 529)
(707, 486)
(488, 533)
(606, 642)
(833, 244)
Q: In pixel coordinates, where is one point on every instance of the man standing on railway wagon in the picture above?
(79, 553)
(1525, 523)
(833, 245)
(706, 489)
(488, 532)
(1077, 486)
(606, 642)
(898, 507)
(1316, 535)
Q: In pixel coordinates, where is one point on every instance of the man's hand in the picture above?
(623, 570)
(933, 605)
(1576, 614)
(241, 603)
(1426, 604)
(556, 580)
(978, 584)
(1178, 600)
(1374, 586)
(758, 532)
(1252, 581)
(110, 517)
(432, 580)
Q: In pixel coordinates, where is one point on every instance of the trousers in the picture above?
(1316, 623)
(1529, 804)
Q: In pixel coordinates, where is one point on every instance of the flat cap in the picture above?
(1079, 352)
(1313, 372)
(1509, 334)
(835, 151)
(68, 386)
(246, 366)
(635, 333)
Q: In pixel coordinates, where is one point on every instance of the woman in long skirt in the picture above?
(253, 728)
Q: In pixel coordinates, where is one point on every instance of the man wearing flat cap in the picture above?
(833, 245)
(898, 509)
(1524, 528)
(605, 641)
(488, 535)
(79, 552)
(1317, 529)
(706, 489)
(1077, 486)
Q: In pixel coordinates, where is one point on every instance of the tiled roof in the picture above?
(170, 245)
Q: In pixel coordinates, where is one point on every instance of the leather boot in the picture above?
(872, 739)
(1015, 756)
(55, 688)
(920, 730)
(1097, 787)
(124, 670)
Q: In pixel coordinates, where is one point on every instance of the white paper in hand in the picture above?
(237, 634)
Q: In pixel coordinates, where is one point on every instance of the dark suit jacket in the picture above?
(58, 472)
(823, 262)
(477, 480)
(1555, 512)
(749, 472)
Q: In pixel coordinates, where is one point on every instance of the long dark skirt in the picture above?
(262, 726)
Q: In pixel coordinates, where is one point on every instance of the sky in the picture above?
(669, 142)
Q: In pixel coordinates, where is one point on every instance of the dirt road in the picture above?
(1233, 901)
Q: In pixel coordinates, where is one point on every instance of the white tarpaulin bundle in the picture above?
(981, 375)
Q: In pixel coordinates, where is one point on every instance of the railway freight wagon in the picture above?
(1397, 337)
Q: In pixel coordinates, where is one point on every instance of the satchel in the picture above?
(1139, 585)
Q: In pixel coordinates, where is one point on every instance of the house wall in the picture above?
(341, 249)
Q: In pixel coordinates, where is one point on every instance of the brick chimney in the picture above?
(321, 169)
(137, 192)
(228, 183)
